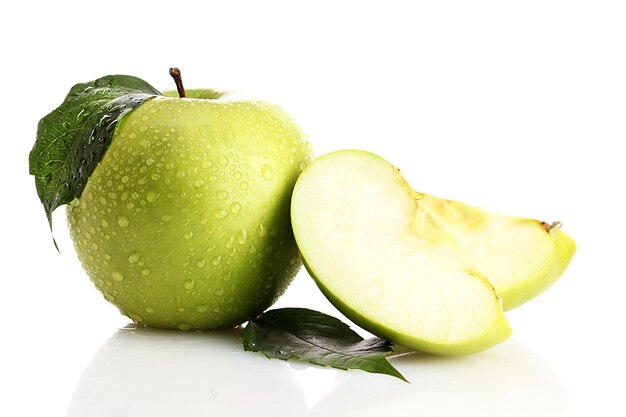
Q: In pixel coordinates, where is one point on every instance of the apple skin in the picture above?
(185, 222)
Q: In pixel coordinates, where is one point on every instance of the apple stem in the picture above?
(175, 73)
(549, 227)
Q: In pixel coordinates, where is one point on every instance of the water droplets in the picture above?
(183, 326)
(189, 284)
(242, 236)
(216, 260)
(133, 258)
(267, 172)
(261, 230)
(188, 235)
(223, 160)
(152, 196)
(149, 310)
(222, 194)
(235, 207)
(123, 221)
(117, 275)
(202, 308)
(220, 214)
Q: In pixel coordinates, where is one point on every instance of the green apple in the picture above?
(384, 262)
(521, 257)
(185, 221)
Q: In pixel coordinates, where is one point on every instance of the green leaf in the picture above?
(316, 338)
(72, 140)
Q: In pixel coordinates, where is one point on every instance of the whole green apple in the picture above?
(185, 221)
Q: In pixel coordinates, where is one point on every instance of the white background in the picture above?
(515, 106)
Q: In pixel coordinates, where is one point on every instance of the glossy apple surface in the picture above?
(185, 222)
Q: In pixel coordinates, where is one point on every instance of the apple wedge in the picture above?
(383, 261)
(521, 257)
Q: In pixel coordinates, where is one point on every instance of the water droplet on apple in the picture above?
(201, 263)
(123, 221)
(183, 326)
(267, 171)
(117, 275)
(243, 185)
(222, 194)
(216, 260)
(107, 256)
(188, 235)
(133, 258)
(220, 291)
(223, 160)
(202, 308)
(237, 175)
(145, 272)
(149, 161)
(242, 236)
(166, 217)
(152, 196)
(135, 317)
(199, 182)
(220, 214)
(235, 207)
(149, 310)
(189, 284)
(261, 231)
(293, 260)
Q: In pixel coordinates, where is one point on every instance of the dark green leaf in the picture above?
(72, 140)
(316, 338)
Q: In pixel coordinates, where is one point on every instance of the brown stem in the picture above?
(175, 73)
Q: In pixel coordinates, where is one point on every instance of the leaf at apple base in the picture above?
(316, 338)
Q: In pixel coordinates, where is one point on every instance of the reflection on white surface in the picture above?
(509, 380)
(146, 372)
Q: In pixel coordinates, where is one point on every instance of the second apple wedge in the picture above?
(522, 257)
(384, 263)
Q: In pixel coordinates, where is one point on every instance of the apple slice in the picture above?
(521, 257)
(383, 262)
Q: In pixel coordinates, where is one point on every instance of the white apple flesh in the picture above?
(381, 259)
(522, 257)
